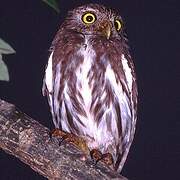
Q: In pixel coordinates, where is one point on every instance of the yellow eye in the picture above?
(117, 24)
(88, 18)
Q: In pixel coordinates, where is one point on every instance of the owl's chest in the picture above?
(91, 100)
(79, 91)
(84, 75)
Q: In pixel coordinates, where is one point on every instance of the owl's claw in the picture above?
(57, 133)
(107, 159)
(96, 156)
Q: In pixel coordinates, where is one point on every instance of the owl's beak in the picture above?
(108, 32)
(106, 29)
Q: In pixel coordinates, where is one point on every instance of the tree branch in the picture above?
(29, 141)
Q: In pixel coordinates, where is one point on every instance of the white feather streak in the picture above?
(49, 74)
(127, 71)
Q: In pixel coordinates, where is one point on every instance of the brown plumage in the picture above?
(90, 81)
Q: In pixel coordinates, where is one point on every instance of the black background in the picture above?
(153, 29)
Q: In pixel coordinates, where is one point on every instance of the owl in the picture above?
(90, 83)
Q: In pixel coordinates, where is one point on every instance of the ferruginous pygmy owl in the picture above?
(90, 82)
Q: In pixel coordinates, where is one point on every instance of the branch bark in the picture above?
(29, 141)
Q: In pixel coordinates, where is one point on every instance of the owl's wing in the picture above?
(129, 105)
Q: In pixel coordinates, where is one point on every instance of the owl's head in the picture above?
(94, 19)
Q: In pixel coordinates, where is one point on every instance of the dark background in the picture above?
(153, 29)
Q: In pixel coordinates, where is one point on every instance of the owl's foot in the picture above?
(79, 142)
(96, 155)
(106, 158)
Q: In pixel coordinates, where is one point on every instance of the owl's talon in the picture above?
(96, 155)
(57, 133)
(60, 141)
(107, 159)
